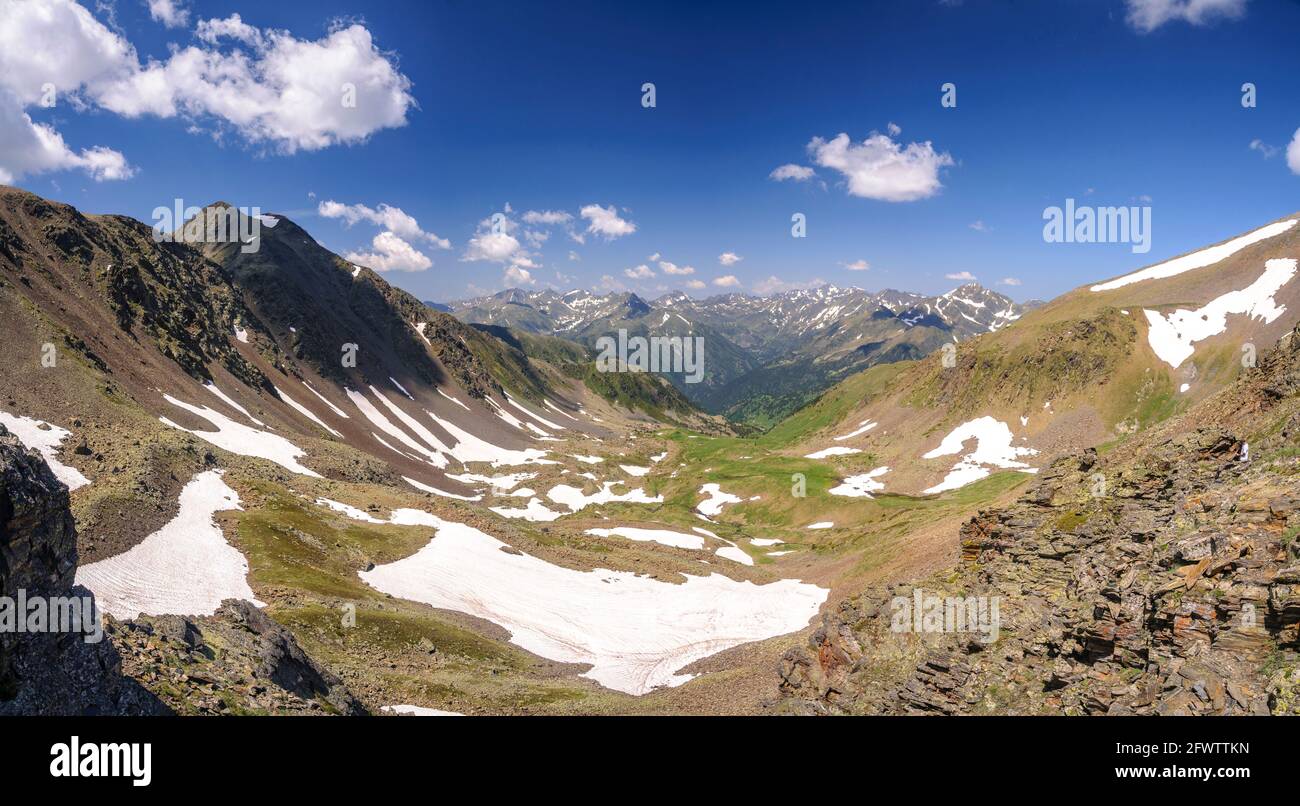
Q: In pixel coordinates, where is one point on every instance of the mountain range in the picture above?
(764, 356)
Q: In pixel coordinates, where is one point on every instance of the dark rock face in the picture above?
(1161, 579)
(50, 672)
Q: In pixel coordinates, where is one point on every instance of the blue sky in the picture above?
(539, 106)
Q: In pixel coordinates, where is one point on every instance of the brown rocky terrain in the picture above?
(1160, 578)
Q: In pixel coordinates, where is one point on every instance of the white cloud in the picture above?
(1009, 281)
(979, 226)
(169, 12)
(391, 253)
(547, 217)
(1293, 153)
(673, 268)
(536, 238)
(574, 256)
(495, 246)
(642, 272)
(961, 275)
(28, 148)
(1147, 15)
(390, 218)
(517, 275)
(894, 129)
(653, 257)
(879, 168)
(267, 87)
(605, 221)
(232, 27)
(798, 173)
(695, 285)
(1263, 148)
(857, 265)
(726, 281)
(729, 258)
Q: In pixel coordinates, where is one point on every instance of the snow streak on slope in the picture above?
(377, 418)
(304, 411)
(185, 568)
(470, 448)
(239, 438)
(212, 387)
(1172, 337)
(635, 632)
(45, 439)
(1197, 260)
(992, 447)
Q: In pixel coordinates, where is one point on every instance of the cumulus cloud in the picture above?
(1147, 15)
(694, 285)
(857, 265)
(673, 268)
(880, 168)
(798, 173)
(390, 218)
(605, 221)
(1009, 281)
(1293, 153)
(391, 253)
(266, 87)
(547, 217)
(170, 13)
(518, 275)
(961, 275)
(232, 27)
(642, 272)
(979, 226)
(28, 148)
(729, 258)
(726, 281)
(495, 246)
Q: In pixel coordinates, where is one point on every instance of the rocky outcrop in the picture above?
(1163, 578)
(45, 669)
(237, 661)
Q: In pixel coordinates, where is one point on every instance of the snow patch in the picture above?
(304, 411)
(838, 450)
(992, 448)
(716, 499)
(661, 536)
(634, 631)
(186, 568)
(867, 425)
(1172, 337)
(45, 439)
(861, 486)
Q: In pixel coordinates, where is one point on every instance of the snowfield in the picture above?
(716, 499)
(576, 500)
(861, 486)
(45, 439)
(661, 536)
(838, 450)
(240, 439)
(1198, 260)
(1173, 337)
(186, 568)
(634, 631)
(992, 447)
